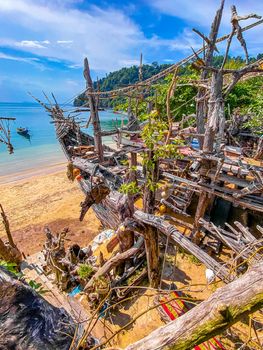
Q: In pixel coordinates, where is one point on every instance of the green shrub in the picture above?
(85, 271)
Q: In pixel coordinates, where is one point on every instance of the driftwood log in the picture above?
(94, 196)
(222, 309)
(9, 251)
(113, 262)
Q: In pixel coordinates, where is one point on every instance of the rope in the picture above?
(170, 69)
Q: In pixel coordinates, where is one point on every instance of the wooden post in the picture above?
(201, 106)
(9, 253)
(93, 111)
(151, 233)
(7, 227)
(215, 115)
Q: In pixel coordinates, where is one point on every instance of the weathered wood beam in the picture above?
(201, 105)
(151, 232)
(113, 262)
(211, 317)
(175, 236)
(93, 111)
(222, 192)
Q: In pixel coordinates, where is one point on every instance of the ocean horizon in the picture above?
(42, 149)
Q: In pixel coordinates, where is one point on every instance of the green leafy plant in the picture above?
(124, 162)
(130, 188)
(11, 267)
(85, 271)
(38, 287)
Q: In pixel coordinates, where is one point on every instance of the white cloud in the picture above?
(106, 36)
(33, 44)
(30, 60)
(201, 15)
(64, 42)
(129, 62)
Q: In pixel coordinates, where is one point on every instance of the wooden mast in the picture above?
(212, 111)
(94, 115)
(201, 106)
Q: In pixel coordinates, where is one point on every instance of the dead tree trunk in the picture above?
(9, 252)
(215, 115)
(222, 309)
(201, 105)
(215, 112)
(93, 112)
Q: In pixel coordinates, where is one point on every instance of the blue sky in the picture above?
(43, 42)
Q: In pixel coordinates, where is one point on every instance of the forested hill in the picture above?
(124, 77)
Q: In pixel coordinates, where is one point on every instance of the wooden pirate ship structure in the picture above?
(184, 194)
(217, 174)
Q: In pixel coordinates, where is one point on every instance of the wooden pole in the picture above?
(93, 111)
(9, 253)
(7, 227)
(201, 106)
(151, 233)
(221, 310)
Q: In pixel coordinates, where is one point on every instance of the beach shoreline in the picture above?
(47, 199)
(33, 172)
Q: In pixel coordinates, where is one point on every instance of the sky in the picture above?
(43, 42)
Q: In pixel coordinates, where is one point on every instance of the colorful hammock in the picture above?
(178, 307)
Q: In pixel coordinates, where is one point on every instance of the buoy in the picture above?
(162, 209)
(79, 177)
(76, 172)
(164, 194)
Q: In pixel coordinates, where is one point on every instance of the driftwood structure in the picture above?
(197, 182)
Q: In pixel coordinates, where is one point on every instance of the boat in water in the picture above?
(22, 131)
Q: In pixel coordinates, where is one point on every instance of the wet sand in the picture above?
(49, 199)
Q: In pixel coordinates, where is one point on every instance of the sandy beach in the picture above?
(33, 200)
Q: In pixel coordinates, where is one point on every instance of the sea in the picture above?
(41, 149)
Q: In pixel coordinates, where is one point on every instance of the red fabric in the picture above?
(212, 344)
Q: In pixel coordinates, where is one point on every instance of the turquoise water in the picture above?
(42, 149)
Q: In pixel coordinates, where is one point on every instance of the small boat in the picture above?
(22, 131)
